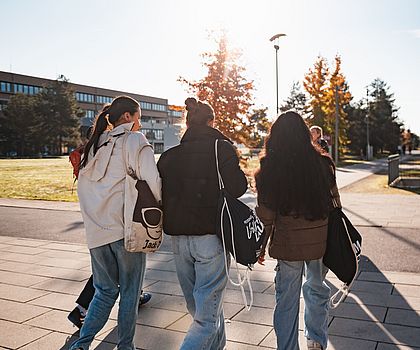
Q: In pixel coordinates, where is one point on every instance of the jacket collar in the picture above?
(121, 129)
(200, 132)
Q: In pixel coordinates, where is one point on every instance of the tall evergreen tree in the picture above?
(383, 117)
(260, 126)
(227, 90)
(18, 131)
(58, 115)
(297, 101)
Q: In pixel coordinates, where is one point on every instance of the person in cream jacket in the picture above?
(101, 190)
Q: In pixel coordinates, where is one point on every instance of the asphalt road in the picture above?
(386, 249)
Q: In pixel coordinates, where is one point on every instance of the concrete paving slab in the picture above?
(231, 310)
(63, 246)
(52, 341)
(396, 301)
(58, 301)
(25, 250)
(166, 287)
(182, 325)
(61, 273)
(230, 345)
(168, 302)
(406, 290)
(150, 338)
(374, 331)
(20, 279)
(256, 315)
(382, 346)
(160, 265)
(21, 258)
(53, 321)
(60, 286)
(19, 312)
(358, 312)
(403, 317)
(65, 255)
(246, 332)
(342, 343)
(169, 276)
(257, 286)
(27, 242)
(15, 335)
(260, 299)
(66, 263)
(18, 293)
(158, 317)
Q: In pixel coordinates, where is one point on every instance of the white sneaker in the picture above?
(313, 345)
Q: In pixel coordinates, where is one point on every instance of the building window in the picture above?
(82, 97)
(145, 105)
(148, 133)
(158, 147)
(158, 107)
(145, 119)
(103, 99)
(5, 87)
(176, 114)
(90, 114)
(158, 134)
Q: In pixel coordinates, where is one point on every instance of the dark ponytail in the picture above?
(199, 113)
(109, 115)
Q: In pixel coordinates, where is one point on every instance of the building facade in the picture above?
(157, 119)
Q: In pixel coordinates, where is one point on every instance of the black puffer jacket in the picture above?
(190, 189)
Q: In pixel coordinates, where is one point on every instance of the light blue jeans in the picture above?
(115, 272)
(200, 266)
(315, 294)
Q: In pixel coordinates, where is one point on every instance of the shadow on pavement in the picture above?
(373, 312)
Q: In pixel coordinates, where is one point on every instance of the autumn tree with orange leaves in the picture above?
(227, 90)
(321, 83)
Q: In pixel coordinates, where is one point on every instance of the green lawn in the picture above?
(47, 179)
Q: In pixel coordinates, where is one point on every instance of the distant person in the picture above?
(408, 140)
(295, 186)
(190, 198)
(318, 137)
(101, 186)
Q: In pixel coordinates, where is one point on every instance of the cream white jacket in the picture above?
(101, 184)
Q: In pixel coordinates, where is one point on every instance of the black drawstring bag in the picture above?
(241, 232)
(344, 245)
(240, 228)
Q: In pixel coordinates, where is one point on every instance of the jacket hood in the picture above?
(97, 164)
(200, 132)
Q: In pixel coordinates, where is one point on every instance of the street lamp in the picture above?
(275, 38)
(367, 125)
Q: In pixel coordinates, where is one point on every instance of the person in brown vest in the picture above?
(295, 184)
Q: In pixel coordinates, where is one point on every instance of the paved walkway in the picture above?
(40, 280)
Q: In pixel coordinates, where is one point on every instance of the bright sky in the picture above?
(143, 46)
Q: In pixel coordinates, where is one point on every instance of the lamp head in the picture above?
(274, 37)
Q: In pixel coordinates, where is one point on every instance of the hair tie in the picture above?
(107, 120)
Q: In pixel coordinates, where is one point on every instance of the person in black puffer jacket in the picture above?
(190, 193)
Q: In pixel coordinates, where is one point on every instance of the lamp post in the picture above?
(275, 38)
(367, 125)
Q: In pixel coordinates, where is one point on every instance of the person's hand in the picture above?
(261, 258)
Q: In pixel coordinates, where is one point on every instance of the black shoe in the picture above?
(144, 298)
(76, 317)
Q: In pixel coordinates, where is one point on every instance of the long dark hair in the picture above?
(110, 114)
(294, 177)
(199, 113)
